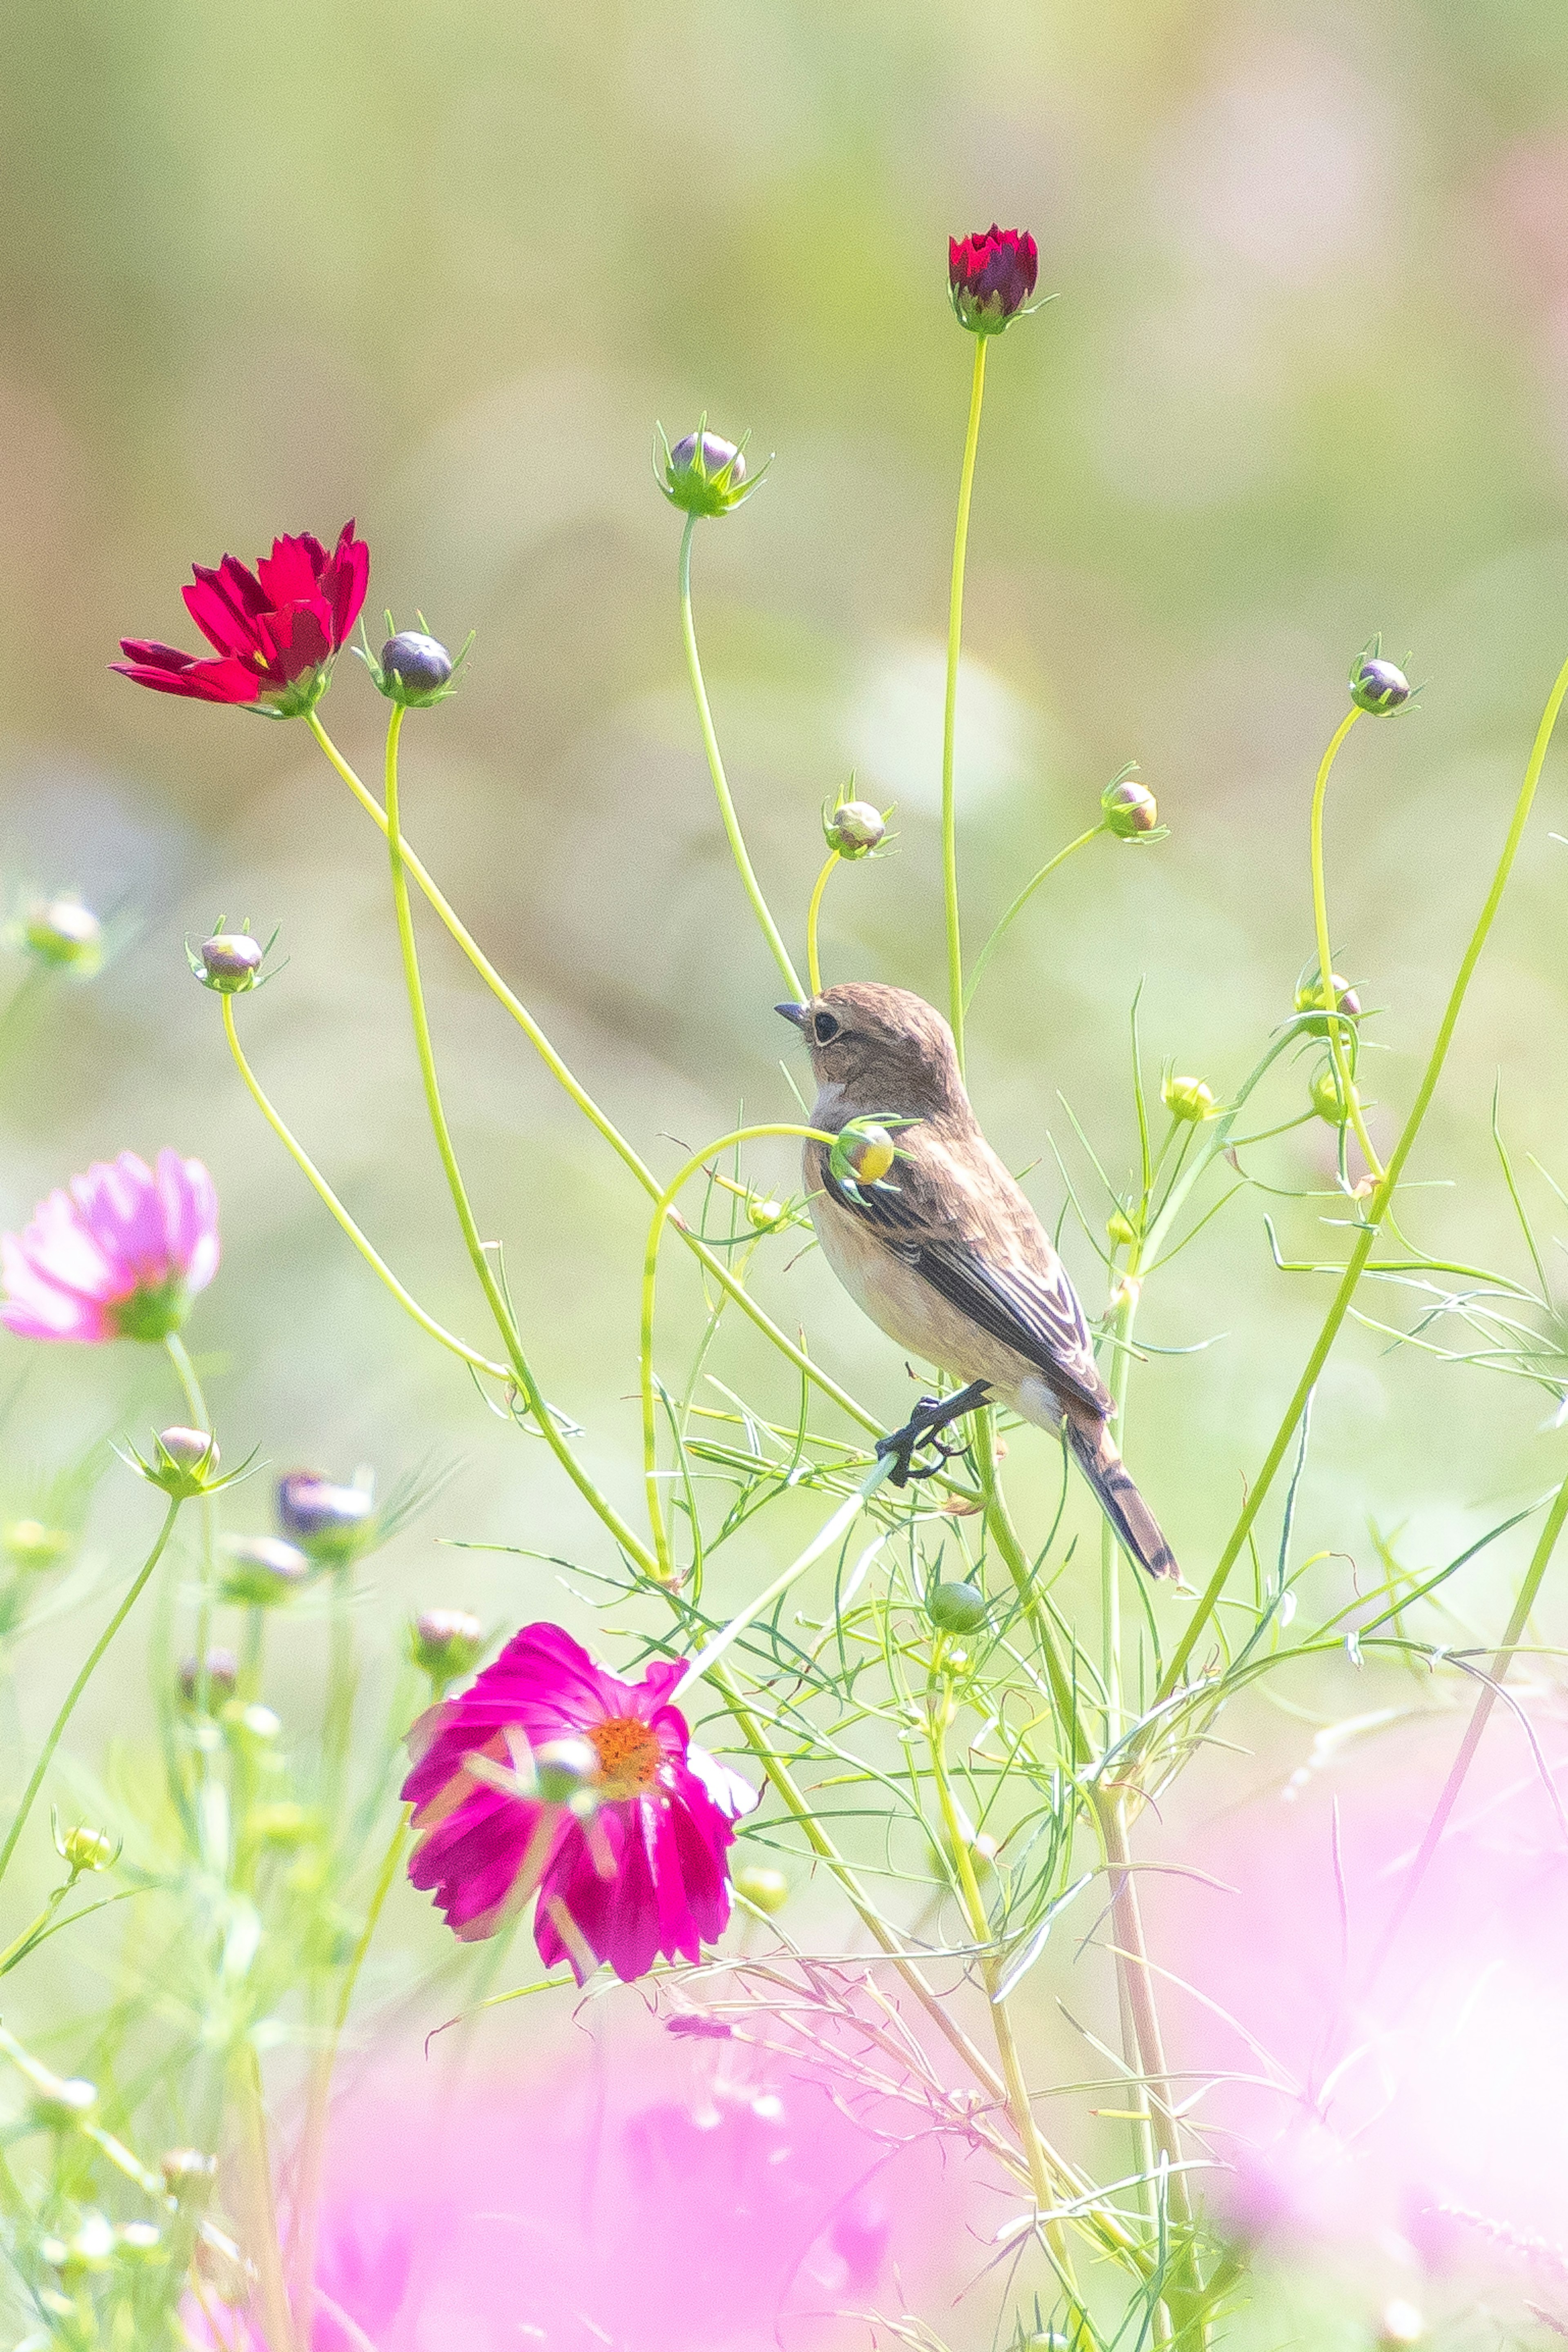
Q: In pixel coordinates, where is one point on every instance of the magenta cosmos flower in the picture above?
(991, 276)
(275, 629)
(121, 1255)
(637, 1872)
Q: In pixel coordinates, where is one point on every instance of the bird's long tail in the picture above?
(1133, 1524)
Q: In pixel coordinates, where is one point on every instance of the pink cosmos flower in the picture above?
(275, 629)
(634, 1872)
(121, 1255)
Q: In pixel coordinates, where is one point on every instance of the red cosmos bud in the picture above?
(991, 276)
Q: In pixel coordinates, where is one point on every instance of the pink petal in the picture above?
(224, 604)
(36, 1309)
(190, 1218)
(729, 1792)
(119, 1206)
(293, 572)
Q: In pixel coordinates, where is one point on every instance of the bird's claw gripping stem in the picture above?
(931, 1415)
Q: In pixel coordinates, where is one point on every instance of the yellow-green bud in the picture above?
(763, 1216)
(139, 2241)
(1309, 999)
(870, 1153)
(29, 1544)
(58, 2105)
(854, 829)
(567, 1772)
(765, 1890)
(283, 1823)
(83, 1849)
(1188, 1099)
(64, 933)
(1119, 1229)
(1327, 1100)
(91, 2246)
(188, 2175)
(956, 1608)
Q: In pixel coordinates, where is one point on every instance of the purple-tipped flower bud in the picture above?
(765, 1890)
(446, 1645)
(415, 670)
(1128, 808)
(1309, 999)
(188, 2175)
(567, 1772)
(222, 1672)
(956, 1608)
(331, 1523)
(263, 1571)
(854, 829)
(184, 1463)
(65, 934)
(1188, 1099)
(1377, 686)
(229, 961)
(704, 475)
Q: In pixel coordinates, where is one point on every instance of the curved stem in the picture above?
(629, 1159)
(324, 1191)
(716, 770)
(185, 1372)
(1021, 900)
(1337, 1024)
(1376, 1208)
(813, 967)
(662, 1208)
(495, 1296)
(58, 1727)
(949, 707)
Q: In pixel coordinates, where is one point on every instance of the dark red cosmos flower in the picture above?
(275, 629)
(991, 276)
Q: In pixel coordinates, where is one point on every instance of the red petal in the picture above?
(344, 581)
(292, 574)
(296, 640)
(169, 672)
(224, 604)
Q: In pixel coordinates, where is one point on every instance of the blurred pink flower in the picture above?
(121, 1255)
(641, 1872)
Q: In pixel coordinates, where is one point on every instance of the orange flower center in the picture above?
(629, 1756)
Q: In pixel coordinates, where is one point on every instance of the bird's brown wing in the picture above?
(980, 1247)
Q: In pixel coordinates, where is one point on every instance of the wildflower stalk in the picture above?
(1528, 1592)
(629, 1159)
(950, 707)
(185, 1372)
(1382, 1194)
(265, 2247)
(325, 1193)
(1336, 1023)
(494, 1296)
(813, 967)
(1027, 893)
(716, 770)
(664, 1207)
(89, 1668)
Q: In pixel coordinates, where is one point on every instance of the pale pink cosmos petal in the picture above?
(190, 1218)
(731, 1792)
(61, 1249)
(118, 1205)
(118, 1237)
(36, 1309)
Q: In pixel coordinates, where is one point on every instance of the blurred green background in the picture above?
(442, 266)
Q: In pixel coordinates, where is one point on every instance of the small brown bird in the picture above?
(945, 1253)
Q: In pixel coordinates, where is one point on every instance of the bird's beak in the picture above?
(795, 1013)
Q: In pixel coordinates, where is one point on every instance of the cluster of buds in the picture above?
(704, 475)
(1190, 1099)
(415, 669)
(62, 935)
(854, 829)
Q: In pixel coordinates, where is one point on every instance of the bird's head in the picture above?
(879, 1049)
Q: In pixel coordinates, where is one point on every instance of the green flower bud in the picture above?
(863, 1152)
(228, 961)
(185, 1464)
(83, 1849)
(188, 2175)
(703, 475)
(29, 1545)
(1376, 686)
(1327, 1100)
(1309, 999)
(1119, 1230)
(57, 2106)
(65, 935)
(253, 1726)
(763, 1216)
(263, 1572)
(139, 2241)
(765, 1890)
(854, 829)
(1128, 808)
(222, 1672)
(1188, 1099)
(446, 1645)
(332, 1524)
(956, 1608)
(283, 1823)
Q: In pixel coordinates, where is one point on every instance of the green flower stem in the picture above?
(1383, 1194)
(1022, 899)
(30, 1935)
(1337, 1024)
(185, 1372)
(663, 1207)
(713, 1264)
(31, 984)
(314, 2138)
(494, 1296)
(950, 708)
(716, 770)
(324, 1191)
(1529, 1591)
(81, 1681)
(813, 967)
(264, 2248)
(831, 1533)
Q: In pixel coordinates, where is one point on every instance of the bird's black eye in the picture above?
(823, 1028)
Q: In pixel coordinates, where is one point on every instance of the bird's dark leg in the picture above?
(930, 1415)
